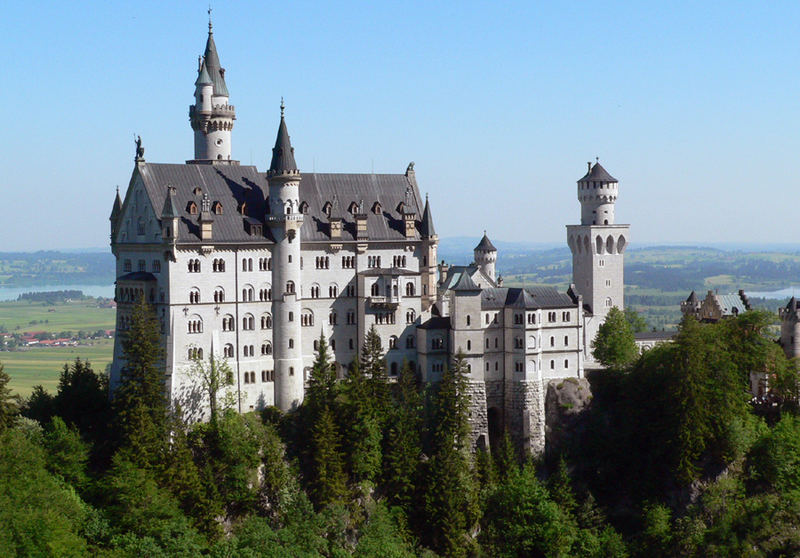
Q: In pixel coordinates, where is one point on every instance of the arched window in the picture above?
(315, 291)
(227, 323)
(410, 317)
(468, 319)
(227, 351)
(333, 291)
(291, 344)
(307, 318)
(219, 295)
(192, 208)
(608, 302)
(392, 342)
(266, 321)
(216, 208)
(599, 245)
(248, 322)
(266, 348)
(332, 317)
(194, 296)
(409, 289)
(374, 289)
(303, 207)
(290, 287)
(195, 324)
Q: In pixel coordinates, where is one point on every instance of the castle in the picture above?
(254, 266)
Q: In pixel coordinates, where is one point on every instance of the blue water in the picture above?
(11, 293)
(783, 293)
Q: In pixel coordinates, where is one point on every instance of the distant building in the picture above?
(714, 306)
(252, 266)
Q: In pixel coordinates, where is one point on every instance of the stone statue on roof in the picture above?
(139, 149)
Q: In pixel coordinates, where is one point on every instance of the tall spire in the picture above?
(283, 152)
(212, 65)
(426, 227)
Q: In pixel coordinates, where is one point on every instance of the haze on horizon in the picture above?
(694, 109)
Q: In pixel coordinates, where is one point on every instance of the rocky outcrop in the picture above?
(565, 402)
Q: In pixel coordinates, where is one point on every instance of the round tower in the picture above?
(211, 116)
(285, 220)
(486, 256)
(597, 192)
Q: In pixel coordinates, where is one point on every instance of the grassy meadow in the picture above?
(42, 365)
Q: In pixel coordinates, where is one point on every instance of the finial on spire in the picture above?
(597, 159)
(210, 26)
(282, 106)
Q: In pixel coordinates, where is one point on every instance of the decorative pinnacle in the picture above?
(210, 26)
(282, 107)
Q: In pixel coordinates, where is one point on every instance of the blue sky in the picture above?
(694, 108)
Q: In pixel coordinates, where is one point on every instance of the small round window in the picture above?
(219, 141)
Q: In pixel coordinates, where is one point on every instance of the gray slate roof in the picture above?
(533, 298)
(212, 66)
(465, 283)
(597, 174)
(426, 227)
(283, 152)
(436, 323)
(729, 302)
(485, 244)
(233, 185)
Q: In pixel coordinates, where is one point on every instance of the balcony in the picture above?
(384, 301)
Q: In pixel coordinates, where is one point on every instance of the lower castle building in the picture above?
(254, 266)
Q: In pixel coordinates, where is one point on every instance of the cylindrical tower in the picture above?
(285, 220)
(597, 192)
(211, 116)
(486, 256)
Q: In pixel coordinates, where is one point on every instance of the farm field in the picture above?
(42, 365)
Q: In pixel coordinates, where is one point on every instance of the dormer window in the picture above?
(304, 208)
(353, 209)
(376, 208)
(192, 208)
(326, 209)
(198, 191)
(243, 208)
(216, 208)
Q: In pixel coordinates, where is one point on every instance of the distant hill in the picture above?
(31, 269)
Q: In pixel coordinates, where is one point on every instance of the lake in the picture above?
(782, 293)
(11, 293)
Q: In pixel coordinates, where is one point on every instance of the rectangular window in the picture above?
(142, 265)
(126, 266)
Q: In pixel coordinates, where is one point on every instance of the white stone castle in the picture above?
(254, 266)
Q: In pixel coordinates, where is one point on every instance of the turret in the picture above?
(285, 220)
(169, 217)
(597, 192)
(486, 256)
(430, 243)
(211, 116)
(116, 210)
(206, 220)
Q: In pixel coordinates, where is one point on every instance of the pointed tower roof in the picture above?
(283, 152)
(692, 298)
(202, 75)
(792, 304)
(597, 173)
(169, 211)
(212, 66)
(426, 226)
(117, 209)
(465, 283)
(485, 244)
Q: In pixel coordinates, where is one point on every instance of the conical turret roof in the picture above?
(212, 66)
(169, 211)
(202, 76)
(597, 173)
(792, 304)
(692, 298)
(283, 152)
(426, 226)
(117, 208)
(485, 244)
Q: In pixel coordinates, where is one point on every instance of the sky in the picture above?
(694, 107)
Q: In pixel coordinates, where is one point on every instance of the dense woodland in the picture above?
(671, 458)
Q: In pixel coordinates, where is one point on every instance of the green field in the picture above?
(42, 365)
(21, 316)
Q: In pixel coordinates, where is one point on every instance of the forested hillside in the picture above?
(670, 458)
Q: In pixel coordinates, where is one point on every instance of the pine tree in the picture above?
(450, 500)
(373, 363)
(403, 443)
(140, 404)
(361, 426)
(214, 377)
(9, 402)
(329, 484)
